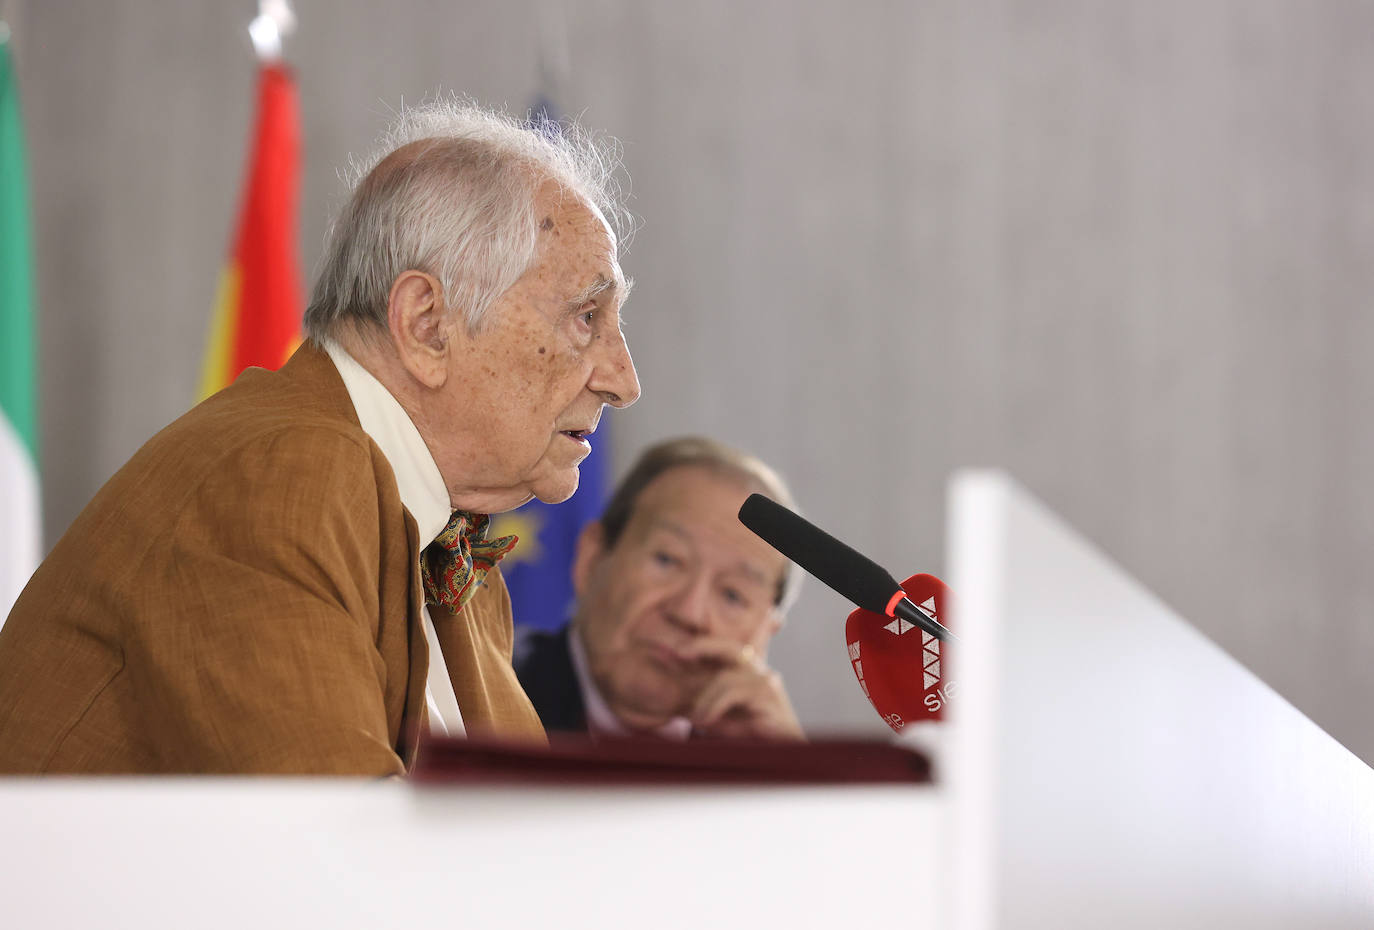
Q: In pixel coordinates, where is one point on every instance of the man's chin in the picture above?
(655, 699)
(555, 489)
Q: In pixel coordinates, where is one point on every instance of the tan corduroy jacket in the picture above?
(244, 596)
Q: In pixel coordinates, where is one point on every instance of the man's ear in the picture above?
(591, 544)
(765, 632)
(416, 320)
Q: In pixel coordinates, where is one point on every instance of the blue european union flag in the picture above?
(539, 570)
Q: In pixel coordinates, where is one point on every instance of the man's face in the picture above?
(683, 571)
(528, 388)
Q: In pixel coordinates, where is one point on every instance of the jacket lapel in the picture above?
(415, 718)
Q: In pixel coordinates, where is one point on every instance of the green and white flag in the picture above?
(19, 511)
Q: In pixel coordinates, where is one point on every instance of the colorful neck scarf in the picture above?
(453, 566)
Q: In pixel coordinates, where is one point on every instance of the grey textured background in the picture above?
(1120, 249)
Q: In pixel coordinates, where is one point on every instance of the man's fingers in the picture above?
(725, 692)
(744, 692)
(720, 651)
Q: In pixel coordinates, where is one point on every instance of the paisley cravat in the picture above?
(452, 567)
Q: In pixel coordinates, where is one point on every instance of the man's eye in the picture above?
(667, 559)
(734, 597)
(588, 313)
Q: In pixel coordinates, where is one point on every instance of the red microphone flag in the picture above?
(902, 669)
(258, 306)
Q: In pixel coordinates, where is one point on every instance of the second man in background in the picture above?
(676, 603)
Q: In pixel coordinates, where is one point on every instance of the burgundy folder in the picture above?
(578, 760)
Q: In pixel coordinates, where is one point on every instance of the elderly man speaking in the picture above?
(295, 575)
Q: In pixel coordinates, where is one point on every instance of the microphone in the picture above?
(850, 574)
(904, 672)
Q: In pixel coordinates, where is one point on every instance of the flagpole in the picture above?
(555, 52)
(275, 21)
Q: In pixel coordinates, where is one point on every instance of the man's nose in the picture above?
(690, 607)
(614, 376)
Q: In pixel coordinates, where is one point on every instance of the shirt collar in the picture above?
(601, 720)
(418, 480)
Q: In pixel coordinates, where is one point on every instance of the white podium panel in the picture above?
(335, 853)
(1112, 767)
(1107, 766)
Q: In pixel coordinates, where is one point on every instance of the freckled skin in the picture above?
(496, 426)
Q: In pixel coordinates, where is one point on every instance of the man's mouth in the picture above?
(583, 435)
(665, 656)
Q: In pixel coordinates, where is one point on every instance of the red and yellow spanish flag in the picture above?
(258, 305)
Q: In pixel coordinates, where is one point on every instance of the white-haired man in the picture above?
(294, 576)
(676, 604)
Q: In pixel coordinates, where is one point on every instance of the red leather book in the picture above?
(579, 760)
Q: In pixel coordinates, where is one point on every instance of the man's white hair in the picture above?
(450, 191)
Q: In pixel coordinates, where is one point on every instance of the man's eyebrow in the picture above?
(748, 569)
(602, 285)
(752, 572)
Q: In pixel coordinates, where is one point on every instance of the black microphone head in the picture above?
(851, 574)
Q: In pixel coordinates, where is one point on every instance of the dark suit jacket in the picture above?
(244, 596)
(544, 666)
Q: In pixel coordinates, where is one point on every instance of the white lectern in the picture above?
(1112, 767)
(1109, 767)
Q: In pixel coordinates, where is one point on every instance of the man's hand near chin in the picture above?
(741, 697)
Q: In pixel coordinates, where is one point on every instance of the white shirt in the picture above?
(423, 493)
(601, 720)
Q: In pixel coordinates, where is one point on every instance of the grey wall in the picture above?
(1115, 248)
